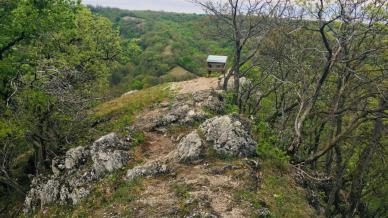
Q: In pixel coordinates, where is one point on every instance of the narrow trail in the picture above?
(195, 85)
(191, 186)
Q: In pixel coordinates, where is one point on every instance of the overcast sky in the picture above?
(183, 6)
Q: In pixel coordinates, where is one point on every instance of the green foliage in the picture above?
(248, 196)
(156, 42)
(138, 138)
(266, 147)
(230, 107)
(54, 58)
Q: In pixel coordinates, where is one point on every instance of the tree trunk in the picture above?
(236, 93)
(226, 80)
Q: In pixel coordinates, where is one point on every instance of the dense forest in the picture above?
(311, 77)
(159, 41)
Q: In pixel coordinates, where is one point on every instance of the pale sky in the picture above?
(182, 6)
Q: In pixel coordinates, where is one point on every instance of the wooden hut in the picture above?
(216, 63)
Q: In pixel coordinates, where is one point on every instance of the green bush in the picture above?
(266, 147)
(229, 106)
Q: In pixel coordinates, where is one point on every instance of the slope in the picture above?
(213, 185)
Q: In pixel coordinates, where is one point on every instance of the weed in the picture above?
(138, 138)
(248, 196)
(123, 192)
(181, 190)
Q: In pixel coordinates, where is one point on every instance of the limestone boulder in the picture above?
(229, 136)
(190, 148)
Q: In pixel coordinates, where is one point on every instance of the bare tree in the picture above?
(326, 73)
(241, 22)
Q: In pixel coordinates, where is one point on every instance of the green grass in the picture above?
(117, 114)
(277, 191)
(248, 196)
(177, 74)
(120, 112)
(281, 193)
(130, 104)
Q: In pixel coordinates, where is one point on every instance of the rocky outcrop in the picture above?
(184, 110)
(190, 148)
(75, 156)
(108, 154)
(74, 173)
(243, 82)
(149, 169)
(229, 136)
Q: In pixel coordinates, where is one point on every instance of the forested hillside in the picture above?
(106, 112)
(159, 41)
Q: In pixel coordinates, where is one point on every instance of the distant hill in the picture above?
(163, 40)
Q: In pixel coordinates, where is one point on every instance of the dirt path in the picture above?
(191, 188)
(195, 85)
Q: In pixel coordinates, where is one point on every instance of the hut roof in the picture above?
(217, 59)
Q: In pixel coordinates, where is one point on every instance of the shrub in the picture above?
(229, 106)
(266, 147)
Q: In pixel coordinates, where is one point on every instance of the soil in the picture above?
(195, 85)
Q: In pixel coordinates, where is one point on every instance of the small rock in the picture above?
(264, 212)
(149, 169)
(215, 103)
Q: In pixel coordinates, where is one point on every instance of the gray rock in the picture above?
(186, 109)
(229, 136)
(190, 148)
(49, 192)
(149, 169)
(75, 172)
(107, 161)
(215, 104)
(75, 156)
(108, 141)
(192, 116)
(78, 193)
(54, 166)
(201, 214)
(243, 82)
(264, 212)
(107, 155)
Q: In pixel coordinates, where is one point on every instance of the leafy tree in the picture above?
(51, 70)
